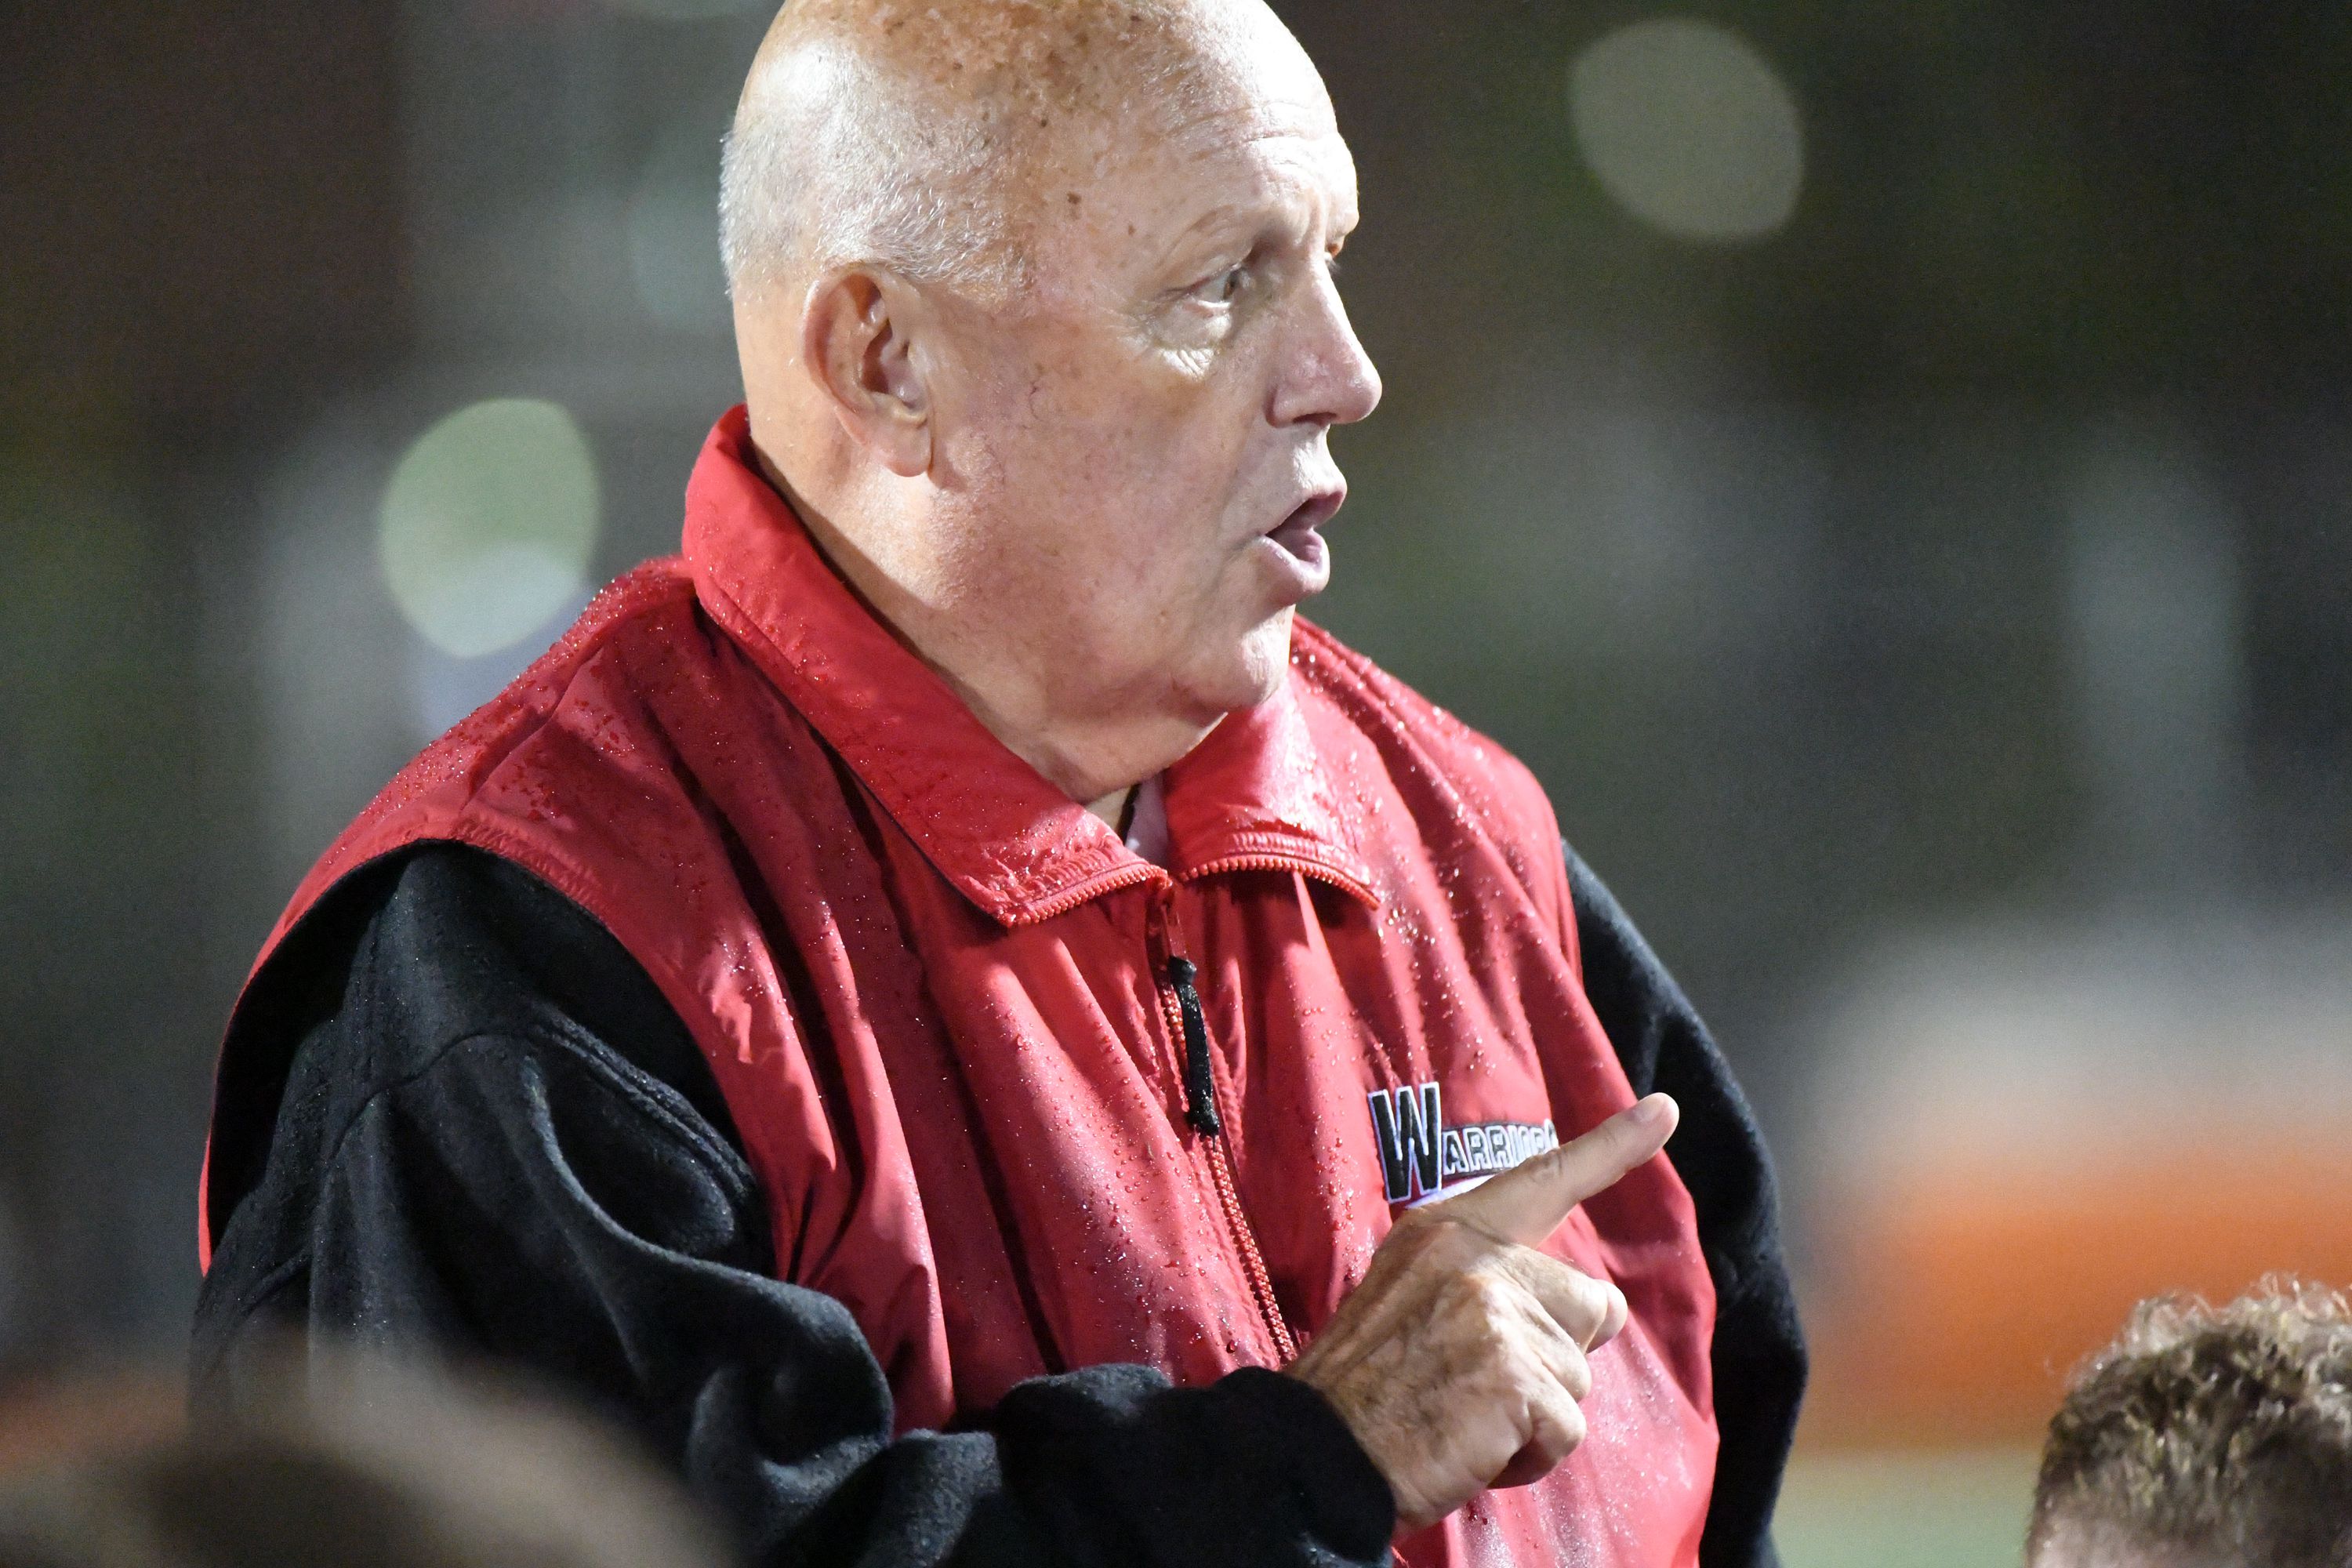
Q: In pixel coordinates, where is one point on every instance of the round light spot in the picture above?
(1689, 129)
(488, 523)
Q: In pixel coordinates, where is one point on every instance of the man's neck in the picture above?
(1097, 766)
(1112, 807)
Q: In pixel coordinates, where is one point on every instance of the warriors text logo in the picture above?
(1423, 1159)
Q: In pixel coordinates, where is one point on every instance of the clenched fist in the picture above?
(1460, 1359)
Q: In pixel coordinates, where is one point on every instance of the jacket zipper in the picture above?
(1271, 862)
(1181, 1004)
(1132, 876)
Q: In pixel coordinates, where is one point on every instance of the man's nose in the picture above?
(1327, 378)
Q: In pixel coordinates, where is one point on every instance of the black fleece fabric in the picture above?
(1759, 1346)
(461, 1120)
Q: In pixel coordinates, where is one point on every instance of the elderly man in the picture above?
(948, 1008)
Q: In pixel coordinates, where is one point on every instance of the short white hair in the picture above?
(832, 161)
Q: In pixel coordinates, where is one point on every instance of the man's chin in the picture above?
(1238, 674)
(1263, 661)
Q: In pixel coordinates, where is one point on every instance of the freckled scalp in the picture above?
(937, 138)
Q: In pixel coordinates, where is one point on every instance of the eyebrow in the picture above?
(1231, 213)
(1261, 218)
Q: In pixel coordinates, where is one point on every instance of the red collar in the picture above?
(1253, 796)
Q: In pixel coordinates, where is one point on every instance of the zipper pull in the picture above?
(1200, 1088)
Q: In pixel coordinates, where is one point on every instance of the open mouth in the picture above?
(1299, 534)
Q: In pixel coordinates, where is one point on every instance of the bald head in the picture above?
(938, 139)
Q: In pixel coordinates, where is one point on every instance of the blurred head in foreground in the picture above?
(366, 1467)
(2206, 1436)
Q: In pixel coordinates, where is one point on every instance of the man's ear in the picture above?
(858, 343)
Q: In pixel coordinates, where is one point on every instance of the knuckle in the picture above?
(1576, 1302)
(1576, 1374)
(1495, 1292)
(1471, 1284)
(1573, 1429)
(1496, 1300)
(1490, 1361)
(1591, 1306)
(1561, 1438)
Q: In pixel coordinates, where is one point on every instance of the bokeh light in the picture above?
(1689, 129)
(488, 524)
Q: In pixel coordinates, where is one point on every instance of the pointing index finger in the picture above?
(1526, 1203)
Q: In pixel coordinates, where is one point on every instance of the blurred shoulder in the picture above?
(596, 744)
(601, 768)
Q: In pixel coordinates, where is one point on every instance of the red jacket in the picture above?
(942, 999)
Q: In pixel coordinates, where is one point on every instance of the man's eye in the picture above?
(1221, 289)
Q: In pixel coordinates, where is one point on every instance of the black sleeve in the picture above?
(488, 1135)
(1759, 1347)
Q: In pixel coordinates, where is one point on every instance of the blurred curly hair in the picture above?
(2210, 1431)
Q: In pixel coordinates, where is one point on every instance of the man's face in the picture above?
(1140, 440)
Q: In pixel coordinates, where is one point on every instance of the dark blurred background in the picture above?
(1888, 469)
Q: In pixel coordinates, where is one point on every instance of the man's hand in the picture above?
(1459, 1361)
